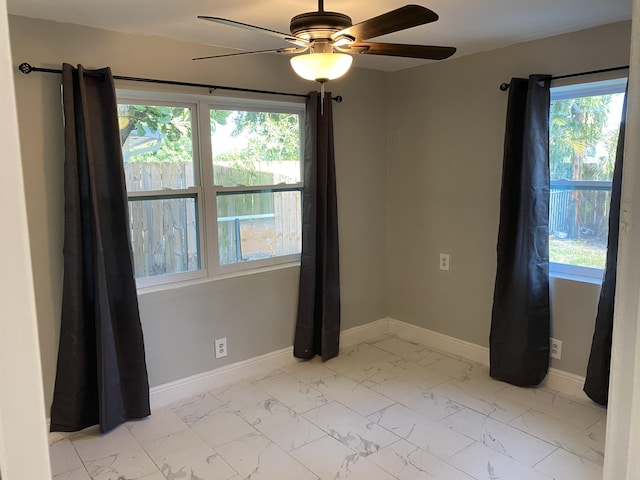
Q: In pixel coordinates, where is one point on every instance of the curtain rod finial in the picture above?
(504, 87)
(25, 68)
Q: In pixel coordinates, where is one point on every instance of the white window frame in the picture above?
(215, 190)
(587, 89)
(205, 190)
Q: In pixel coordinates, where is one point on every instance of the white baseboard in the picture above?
(364, 333)
(54, 437)
(161, 395)
(429, 338)
(247, 369)
(559, 380)
(565, 382)
(262, 365)
(252, 368)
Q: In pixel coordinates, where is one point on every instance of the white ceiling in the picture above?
(470, 25)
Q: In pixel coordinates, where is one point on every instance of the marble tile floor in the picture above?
(384, 409)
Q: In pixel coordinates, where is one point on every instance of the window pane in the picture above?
(255, 148)
(253, 226)
(164, 236)
(583, 137)
(579, 227)
(157, 147)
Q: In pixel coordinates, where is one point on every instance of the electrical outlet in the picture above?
(444, 261)
(556, 348)
(221, 347)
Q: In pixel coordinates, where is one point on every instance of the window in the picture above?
(214, 186)
(583, 136)
(258, 183)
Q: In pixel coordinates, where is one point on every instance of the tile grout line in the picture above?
(547, 456)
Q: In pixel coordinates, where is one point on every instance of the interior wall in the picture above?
(621, 461)
(255, 312)
(445, 171)
(24, 452)
(441, 128)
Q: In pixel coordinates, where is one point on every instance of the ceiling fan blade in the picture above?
(428, 52)
(393, 21)
(254, 52)
(232, 23)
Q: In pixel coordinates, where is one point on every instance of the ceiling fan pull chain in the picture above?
(321, 98)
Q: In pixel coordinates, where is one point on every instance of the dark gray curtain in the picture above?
(318, 322)
(520, 323)
(596, 384)
(101, 375)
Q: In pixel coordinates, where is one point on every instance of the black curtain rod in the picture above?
(505, 86)
(27, 68)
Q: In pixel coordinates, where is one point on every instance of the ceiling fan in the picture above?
(324, 41)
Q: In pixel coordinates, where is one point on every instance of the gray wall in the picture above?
(255, 312)
(419, 158)
(444, 187)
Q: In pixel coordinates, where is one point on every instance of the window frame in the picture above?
(576, 90)
(133, 98)
(204, 189)
(225, 103)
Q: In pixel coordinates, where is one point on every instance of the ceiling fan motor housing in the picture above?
(318, 25)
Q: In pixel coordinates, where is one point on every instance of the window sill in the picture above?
(199, 281)
(576, 278)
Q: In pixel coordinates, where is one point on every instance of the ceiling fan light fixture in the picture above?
(321, 67)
